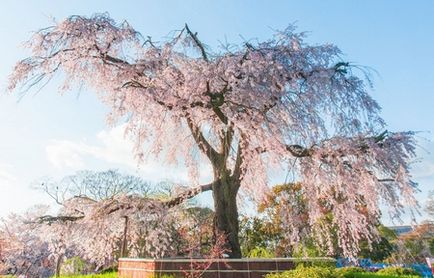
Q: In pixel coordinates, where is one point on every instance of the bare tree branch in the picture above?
(187, 195)
(197, 42)
(201, 141)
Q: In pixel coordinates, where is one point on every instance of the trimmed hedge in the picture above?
(349, 271)
(302, 272)
(345, 272)
(397, 271)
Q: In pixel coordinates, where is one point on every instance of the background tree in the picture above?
(29, 248)
(96, 186)
(109, 213)
(414, 246)
(262, 104)
(89, 225)
(381, 249)
(256, 239)
(288, 201)
(268, 232)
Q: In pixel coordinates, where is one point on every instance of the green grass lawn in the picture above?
(114, 275)
(105, 275)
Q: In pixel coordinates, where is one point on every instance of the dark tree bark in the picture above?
(225, 185)
(58, 265)
(225, 190)
(124, 239)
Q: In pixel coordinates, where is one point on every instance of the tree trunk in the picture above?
(58, 265)
(226, 182)
(124, 239)
(225, 189)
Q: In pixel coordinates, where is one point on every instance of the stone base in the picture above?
(208, 268)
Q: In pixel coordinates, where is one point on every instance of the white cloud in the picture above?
(113, 150)
(112, 147)
(116, 148)
(66, 154)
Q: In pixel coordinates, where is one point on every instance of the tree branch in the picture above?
(113, 207)
(187, 195)
(299, 151)
(201, 141)
(239, 158)
(227, 140)
(59, 218)
(220, 114)
(197, 42)
(217, 100)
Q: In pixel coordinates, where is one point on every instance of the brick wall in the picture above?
(216, 268)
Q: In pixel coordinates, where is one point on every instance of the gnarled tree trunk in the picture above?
(225, 189)
(226, 182)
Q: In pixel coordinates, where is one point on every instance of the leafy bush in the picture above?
(398, 271)
(345, 272)
(74, 265)
(260, 252)
(348, 272)
(303, 272)
(376, 275)
(316, 262)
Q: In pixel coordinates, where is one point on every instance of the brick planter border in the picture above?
(217, 268)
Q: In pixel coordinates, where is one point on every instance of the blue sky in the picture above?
(45, 134)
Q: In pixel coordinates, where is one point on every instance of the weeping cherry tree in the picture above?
(279, 103)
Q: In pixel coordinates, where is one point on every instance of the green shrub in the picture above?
(73, 266)
(278, 275)
(303, 272)
(315, 262)
(345, 272)
(348, 272)
(398, 271)
(260, 252)
(376, 275)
